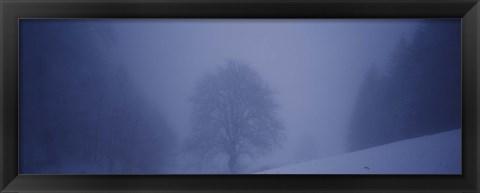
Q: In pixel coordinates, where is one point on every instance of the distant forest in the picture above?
(76, 125)
(420, 93)
(81, 112)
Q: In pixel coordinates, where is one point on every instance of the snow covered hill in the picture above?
(433, 154)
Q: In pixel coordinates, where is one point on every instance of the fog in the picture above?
(315, 67)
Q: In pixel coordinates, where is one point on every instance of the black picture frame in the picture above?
(12, 10)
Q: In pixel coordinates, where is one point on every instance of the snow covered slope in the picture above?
(433, 154)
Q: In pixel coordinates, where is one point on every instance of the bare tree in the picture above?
(234, 115)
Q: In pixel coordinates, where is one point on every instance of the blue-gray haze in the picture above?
(114, 96)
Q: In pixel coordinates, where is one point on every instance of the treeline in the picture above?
(419, 94)
(82, 114)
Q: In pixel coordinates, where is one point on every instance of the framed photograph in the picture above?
(239, 96)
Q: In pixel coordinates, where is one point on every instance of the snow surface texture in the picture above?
(433, 154)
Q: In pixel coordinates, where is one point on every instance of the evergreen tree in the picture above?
(83, 114)
(420, 93)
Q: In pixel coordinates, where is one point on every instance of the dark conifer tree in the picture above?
(82, 112)
(420, 93)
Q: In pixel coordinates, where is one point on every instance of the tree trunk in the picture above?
(232, 163)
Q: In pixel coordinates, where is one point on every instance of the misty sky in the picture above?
(315, 65)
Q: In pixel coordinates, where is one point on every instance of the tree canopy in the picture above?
(234, 115)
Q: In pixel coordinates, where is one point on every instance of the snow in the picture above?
(433, 154)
